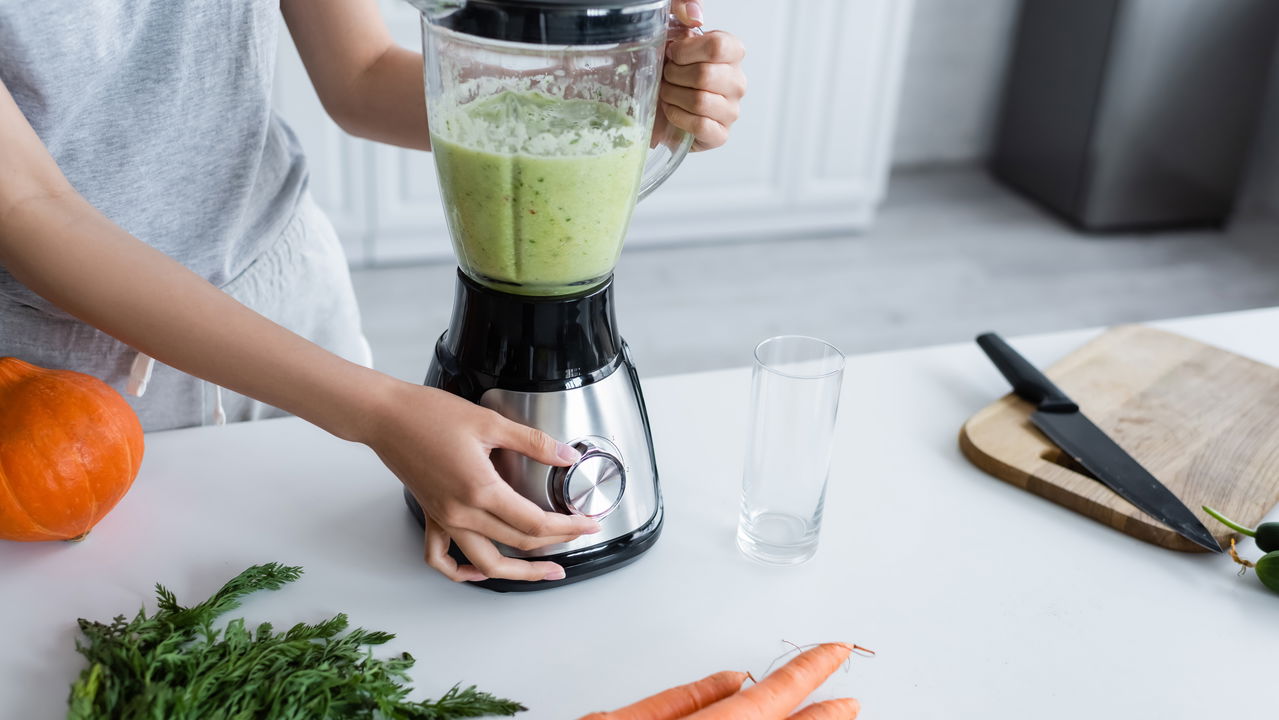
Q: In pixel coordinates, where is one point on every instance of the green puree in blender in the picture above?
(538, 190)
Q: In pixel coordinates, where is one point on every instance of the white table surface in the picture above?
(983, 601)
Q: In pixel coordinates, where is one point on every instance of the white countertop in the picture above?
(983, 601)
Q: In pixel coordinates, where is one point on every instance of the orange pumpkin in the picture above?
(70, 447)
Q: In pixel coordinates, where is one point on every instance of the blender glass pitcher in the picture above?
(541, 116)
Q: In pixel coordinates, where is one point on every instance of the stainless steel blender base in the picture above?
(615, 482)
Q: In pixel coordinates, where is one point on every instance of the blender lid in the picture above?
(553, 22)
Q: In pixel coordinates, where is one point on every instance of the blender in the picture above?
(541, 115)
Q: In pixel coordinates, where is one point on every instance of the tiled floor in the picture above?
(952, 254)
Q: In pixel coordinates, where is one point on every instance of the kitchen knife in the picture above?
(1058, 417)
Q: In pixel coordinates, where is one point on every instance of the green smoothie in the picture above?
(538, 190)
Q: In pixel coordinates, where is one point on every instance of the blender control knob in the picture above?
(593, 486)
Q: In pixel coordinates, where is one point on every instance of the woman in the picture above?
(156, 232)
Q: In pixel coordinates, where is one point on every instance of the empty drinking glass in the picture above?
(794, 399)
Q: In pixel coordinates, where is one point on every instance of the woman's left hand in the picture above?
(702, 83)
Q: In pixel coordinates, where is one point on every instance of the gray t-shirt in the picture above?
(159, 113)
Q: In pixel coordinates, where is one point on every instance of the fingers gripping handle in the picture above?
(671, 149)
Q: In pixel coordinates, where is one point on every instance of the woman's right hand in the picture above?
(439, 446)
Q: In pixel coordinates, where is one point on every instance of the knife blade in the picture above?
(1059, 418)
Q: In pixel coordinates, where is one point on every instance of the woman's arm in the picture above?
(60, 247)
(369, 85)
(373, 88)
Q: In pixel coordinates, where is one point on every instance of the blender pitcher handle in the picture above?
(671, 148)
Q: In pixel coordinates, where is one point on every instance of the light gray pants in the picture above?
(301, 282)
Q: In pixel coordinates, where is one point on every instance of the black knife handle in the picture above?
(1027, 381)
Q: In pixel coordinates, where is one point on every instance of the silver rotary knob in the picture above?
(593, 486)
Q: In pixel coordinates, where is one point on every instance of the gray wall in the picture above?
(954, 73)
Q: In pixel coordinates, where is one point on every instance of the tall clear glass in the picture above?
(794, 402)
(541, 117)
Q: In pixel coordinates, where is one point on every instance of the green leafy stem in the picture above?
(1229, 523)
(175, 664)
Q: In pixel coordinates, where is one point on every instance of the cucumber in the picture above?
(1268, 570)
(1267, 537)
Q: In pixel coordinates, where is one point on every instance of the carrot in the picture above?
(678, 701)
(776, 695)
(841, 709)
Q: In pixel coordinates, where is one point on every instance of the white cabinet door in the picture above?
(811, 151)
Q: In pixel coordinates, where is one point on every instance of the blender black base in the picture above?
(578, 565)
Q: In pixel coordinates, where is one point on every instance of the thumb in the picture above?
(536, 444)
(689, 12)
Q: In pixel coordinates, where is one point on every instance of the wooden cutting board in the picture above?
(1204, 421)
